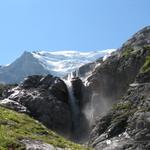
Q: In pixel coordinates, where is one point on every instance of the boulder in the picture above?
(13, 105)
(38, 145)
(31, 81)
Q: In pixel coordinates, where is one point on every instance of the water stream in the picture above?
(74, 106)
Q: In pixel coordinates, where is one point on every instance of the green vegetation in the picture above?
(146, 47)
(123, 111)
(146, 67)
(122, 106)
(15, 126)
(127, 51)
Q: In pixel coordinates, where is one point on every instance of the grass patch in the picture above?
(15, 126)
(122, 106)
(123, 111)
(146, 47)
(146, 67)
(127, 52)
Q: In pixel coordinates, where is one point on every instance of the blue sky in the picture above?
(68, 24)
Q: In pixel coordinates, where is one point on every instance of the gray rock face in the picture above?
(111, 79)
(5, 90)
(126, 125)
(143, 77)
(38, 145)
(84, 70)
(46, 99)
(13, 105)
(139, 39)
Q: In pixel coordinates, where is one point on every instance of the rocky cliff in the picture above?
(43, 97)
(125, 75)
(110, 80)
(51, 101)
(114, 98)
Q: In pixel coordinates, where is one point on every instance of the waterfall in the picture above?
(74, 106)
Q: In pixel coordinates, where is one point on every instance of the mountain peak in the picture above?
(26, 53)
(142, 37)
(57, 63)
(147, 28)
(62, 62)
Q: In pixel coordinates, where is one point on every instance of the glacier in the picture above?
(64, 62)
(57, 63)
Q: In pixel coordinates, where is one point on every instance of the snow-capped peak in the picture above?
(57, 63)
(63, 62)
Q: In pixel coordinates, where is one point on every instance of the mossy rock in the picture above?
(146, 47)
(123, 110)
(127, 52)
(146, 67)
(122, 106)
(15, 127)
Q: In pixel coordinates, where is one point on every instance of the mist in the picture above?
(97, 106)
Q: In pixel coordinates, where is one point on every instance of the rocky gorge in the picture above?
(105, 104)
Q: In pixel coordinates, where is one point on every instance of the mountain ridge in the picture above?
(122, 101)
(57, 63)
(115, 104)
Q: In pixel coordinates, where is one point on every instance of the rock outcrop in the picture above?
(34, 145)
(111, 79)
(45, 98)
(126, 126)
(125, 74)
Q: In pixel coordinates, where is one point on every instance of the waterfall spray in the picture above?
(73, 102)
